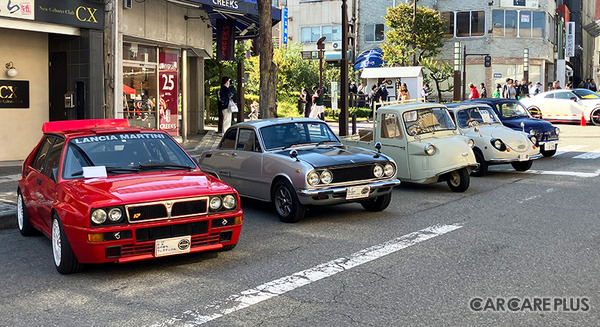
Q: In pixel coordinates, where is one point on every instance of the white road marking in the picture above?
(550, 190)
(562, 173)
(589, 155)
(9, 178)
(282, 285)
(568, 148)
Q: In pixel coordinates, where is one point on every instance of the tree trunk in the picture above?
(268, 69)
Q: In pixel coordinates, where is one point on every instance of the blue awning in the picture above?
(369, 58)
(244, 12)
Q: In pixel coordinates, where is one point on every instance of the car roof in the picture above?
(411, 106)
(459, 106)
(86, 127)
(259, 123)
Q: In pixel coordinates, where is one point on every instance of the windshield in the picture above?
(481, 115)
(422, 121)
(586, 94)
(513, 110)
(124, 153)
(286, 135)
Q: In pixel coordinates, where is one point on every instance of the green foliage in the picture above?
(287, 109)
(360, 112)
(439, 73)
(401, 43)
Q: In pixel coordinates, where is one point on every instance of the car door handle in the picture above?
(39, 181)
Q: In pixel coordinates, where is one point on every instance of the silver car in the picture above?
(299, 162)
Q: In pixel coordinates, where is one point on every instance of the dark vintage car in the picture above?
(514, 115)
(299, 162)
(107, 192)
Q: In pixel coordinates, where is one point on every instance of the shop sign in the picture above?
(17, 9)
(570, 40)
(225, 39)
(78, 13)
(520, 3)
(14, 94)
(168, 92)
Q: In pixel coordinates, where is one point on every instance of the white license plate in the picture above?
(549, 146)
(523, 157)
(174, 245)
(358, 192)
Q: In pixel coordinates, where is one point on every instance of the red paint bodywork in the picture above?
(73, 199)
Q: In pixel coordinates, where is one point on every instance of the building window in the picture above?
(531, 24)
(524, 23)
(448, 19)
(313, 33)
(470, 23)
(374, 32)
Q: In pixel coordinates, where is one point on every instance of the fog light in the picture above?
(96, 237)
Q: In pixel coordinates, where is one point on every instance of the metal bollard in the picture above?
(354, 124)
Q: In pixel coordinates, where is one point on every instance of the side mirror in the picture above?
(294, 154)
(574, 99)
(378, 147)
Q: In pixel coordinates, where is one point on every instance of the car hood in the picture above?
(507, 135)
(146, 187)
(333, 155)
(530, 123)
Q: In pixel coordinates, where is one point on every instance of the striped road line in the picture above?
(589, 155)
(568, 148)
(283, 285)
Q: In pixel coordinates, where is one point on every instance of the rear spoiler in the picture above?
(69, 125)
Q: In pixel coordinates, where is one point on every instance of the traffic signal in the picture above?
(488, 61)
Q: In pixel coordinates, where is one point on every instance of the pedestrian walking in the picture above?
(224, 100)
(318, 106)
(555, 85)
(372, 99)
(474, 93)
(403, 92)
(483, 92)
(593, 86)
(425, 92)
(498, 93)
(508, 90)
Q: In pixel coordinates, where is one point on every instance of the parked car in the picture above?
(103, 191)
(299, 162)
(494, 142)
(424, 142)
(565, 105)
(514, 115)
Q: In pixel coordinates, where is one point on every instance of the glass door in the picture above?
(139, 95)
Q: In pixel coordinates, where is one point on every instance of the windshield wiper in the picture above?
(163, 165)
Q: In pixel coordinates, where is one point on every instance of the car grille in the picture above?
(159, 232)
(167, 209)
(148, 248)
(354, 173)
(547, 136)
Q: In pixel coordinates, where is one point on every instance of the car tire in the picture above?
(521, 165)
(595, 116)
(23, 222)
(458, 180)
(379, 203)
(288, 207)
(483, 165)
(549, 153)
(64, 258)
(535, 112)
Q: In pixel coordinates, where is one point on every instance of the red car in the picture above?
(103, 191)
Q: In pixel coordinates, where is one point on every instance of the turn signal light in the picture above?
(98, 237)
(238, 220)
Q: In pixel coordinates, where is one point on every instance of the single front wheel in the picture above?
(547, 153)
(377, 204)
(64, 258)
(23, 217)
(483, 165)
(595, 117)
(458, 180)
(535, 112)
(522, 165)
(288, 207)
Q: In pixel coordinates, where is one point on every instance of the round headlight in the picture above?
(378, 171)
(326, 177)
(388, 170)
(532, 132)
(557, 130)
(115, 214)
(229, 202)
(471, 143)
(99, 216)
(215, 203)
(430, 149)
(533, 139)
(498, 144)
(313, 178)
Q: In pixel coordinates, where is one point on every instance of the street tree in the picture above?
(402, 43)
(268, 69)
(439, 72)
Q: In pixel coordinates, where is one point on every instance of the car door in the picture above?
(567, 105)
(393, 143)
(49, 180)
(32, 181)
(219, 160)
(246, 163)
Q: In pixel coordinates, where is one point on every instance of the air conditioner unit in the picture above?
(337, 45)
(127, 4)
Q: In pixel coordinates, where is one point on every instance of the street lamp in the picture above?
(526, 64)
(321, 48)
(457, 58)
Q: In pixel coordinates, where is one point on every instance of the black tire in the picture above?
(64, 258)
(379, 203)
(288, 207)
(483, 165)
(535, 112)
(458, 180)
(522, 165)
(549, 153)
(595, 117)
(228, 247)
(23, 218)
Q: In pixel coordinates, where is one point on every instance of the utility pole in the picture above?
(343, 122)
(321, 48)
(415, 32)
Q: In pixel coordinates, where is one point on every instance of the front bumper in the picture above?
(508, 160)
(337, 195)
(134, 242)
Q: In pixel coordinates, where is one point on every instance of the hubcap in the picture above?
(20, 211)
(283, 201)
(454, 178)
(56, 242)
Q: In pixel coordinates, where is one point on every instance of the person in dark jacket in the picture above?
(226, 93)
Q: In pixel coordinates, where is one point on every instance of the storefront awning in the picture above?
(593, 28)
(244, 12)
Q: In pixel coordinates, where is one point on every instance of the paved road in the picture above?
(420, 262)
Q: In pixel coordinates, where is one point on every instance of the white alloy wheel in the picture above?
(56, 242)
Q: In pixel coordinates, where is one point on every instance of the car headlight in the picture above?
(430, 149)
(498, 144)
(471, 143)
(378, 171)
(313, 178)
(229, 202)
(388, 170)
(99, 216)
(533, 139)
(557, 130)
(215, 203)
(326, 177)
(532, 132)
(115, 214)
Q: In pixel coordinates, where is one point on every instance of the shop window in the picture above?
(139, 95)
(313, 33)
(470, 23)
(374, 32)
(525, 23)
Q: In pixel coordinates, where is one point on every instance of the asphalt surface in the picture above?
(531, 235)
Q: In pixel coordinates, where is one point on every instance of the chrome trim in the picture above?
(168, 206)
(391, 183)
(506, 160)
(473, 166)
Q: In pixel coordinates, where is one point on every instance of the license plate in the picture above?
(171, 246)
(549, 146)
(358, 192)
(523, 157)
